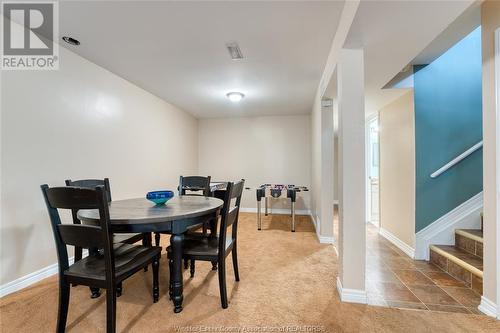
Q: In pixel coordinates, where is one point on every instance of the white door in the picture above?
(372, 171)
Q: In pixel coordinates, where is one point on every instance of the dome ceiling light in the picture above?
(235, 96)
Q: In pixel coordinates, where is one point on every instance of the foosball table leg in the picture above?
(266, 198)
(259, 220)
(293, 216)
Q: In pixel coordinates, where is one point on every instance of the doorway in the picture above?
(372, 171)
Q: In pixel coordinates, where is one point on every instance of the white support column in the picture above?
(490, 300)
(352, 228)
(326, 235)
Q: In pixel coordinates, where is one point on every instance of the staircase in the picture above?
(464, 260)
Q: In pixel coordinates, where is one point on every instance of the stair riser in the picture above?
(457, 271)
(470, 245)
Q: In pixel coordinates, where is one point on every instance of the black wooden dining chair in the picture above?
(191, 185)
(116, 263)
(194, 185)
(219, 247)
(129, 238)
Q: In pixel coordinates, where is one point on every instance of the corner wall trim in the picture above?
(487, 307)
(410, 252)
(442, 231)
(32, 278)
(351, 295)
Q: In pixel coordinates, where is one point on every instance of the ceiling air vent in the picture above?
(234, 51)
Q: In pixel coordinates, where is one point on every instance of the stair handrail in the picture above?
(457, 159)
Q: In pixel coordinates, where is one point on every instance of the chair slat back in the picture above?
(73, 198)
(237, 191)
(85, 236)
(92, 183)
(189, 185)
(230, 214)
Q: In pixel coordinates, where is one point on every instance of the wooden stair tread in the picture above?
(475, 234)
(468, 261)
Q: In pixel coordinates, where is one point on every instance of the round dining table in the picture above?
(175, 217)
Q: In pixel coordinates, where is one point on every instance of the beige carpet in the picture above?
(287, 279)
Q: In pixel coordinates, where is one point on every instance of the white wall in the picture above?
(260, 150)
(397, 168)
(80, 122)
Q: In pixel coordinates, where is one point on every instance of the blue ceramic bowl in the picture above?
(160, 197)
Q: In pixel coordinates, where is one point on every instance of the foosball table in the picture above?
(267, 191)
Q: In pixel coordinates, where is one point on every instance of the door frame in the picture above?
(497, 97)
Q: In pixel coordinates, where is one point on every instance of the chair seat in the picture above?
(197, 246)
(128, 259)
(129, 238)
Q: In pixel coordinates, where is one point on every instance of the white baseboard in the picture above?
(325, 240)
(442, 231)
(410, 252)
(488, 307)
(29, 279)
(278, 211)
(317, 227)
(351, 295)
(316, 224)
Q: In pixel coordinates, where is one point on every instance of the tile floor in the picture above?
(395, 280)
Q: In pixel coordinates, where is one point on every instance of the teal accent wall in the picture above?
(448, 120)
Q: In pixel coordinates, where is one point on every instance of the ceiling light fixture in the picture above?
(235, 96)
(71, 40)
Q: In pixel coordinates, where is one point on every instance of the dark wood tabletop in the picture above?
(179, 213)
(134, 214)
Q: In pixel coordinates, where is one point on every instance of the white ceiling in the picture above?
(468, 21)
(392, 34)
(176, 50)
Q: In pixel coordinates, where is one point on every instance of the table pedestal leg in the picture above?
(177, 242)
(213, 227)
(293, 216)
(266, 205)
